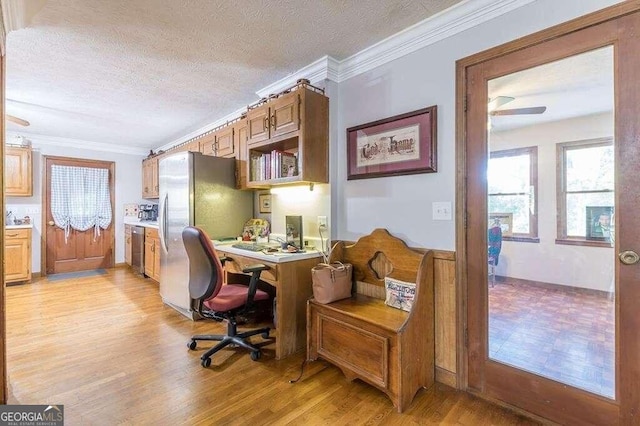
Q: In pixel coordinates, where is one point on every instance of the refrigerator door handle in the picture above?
(162, 228)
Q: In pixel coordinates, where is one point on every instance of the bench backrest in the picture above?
(378, 255)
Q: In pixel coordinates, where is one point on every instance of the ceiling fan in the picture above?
(499, 101)
(18, 121)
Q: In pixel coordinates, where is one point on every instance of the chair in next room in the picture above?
(217, 301)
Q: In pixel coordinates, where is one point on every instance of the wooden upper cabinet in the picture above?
(224, 142)
(150, 181)
(18, 178)
(155, 178)
(285, 114)
(240, 142)
(299, 132)
(258, 129)
(208, 144)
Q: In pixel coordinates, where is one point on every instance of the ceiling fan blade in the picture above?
(498, 101)
(17, 120)
(520, 111)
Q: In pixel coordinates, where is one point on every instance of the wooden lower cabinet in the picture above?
(152, 254)
(127, 245)
(17, 255)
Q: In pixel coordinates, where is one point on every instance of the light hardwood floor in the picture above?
(111, 352)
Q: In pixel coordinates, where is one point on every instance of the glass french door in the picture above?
(553, 281)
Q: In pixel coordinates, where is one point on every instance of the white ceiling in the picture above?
(576, 86)
(142, 73)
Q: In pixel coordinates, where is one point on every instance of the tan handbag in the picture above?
(331, 282)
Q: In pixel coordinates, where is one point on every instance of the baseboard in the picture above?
(120, 265)
(446, 377)
(550, 286)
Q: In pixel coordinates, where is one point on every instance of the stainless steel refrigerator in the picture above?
(198, 190)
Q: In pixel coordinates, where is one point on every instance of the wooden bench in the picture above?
(386, 347)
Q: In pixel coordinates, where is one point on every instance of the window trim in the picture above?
(561, 191)
(532, 151)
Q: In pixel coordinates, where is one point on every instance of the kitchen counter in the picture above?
(275, 257)
(25, 226)
(143, 223)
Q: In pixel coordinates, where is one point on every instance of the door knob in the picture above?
(51, 223)
(629, 257)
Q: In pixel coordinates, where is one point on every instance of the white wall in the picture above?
(426, 77)
(577, 266)
(128, 189)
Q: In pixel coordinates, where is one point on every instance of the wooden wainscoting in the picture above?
(445, 307)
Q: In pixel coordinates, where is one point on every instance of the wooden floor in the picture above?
(111, 352)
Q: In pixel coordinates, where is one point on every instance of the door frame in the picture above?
(111, 165)
(462, 73)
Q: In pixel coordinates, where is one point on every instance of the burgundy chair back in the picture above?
(205, 269)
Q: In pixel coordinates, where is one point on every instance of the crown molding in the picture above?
(37, 139)
(325, 68)
(204, 129)
(440, 26)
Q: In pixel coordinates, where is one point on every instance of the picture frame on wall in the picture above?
(264, 200)
(504, 221)
(599, 223)
(400, 145)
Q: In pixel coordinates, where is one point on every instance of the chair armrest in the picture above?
(255, 270)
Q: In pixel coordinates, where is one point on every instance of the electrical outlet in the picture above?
(32, 210)
(322, 221)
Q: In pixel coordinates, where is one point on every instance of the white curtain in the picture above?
(80, 198)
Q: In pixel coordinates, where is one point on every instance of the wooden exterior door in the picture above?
(557, 397)
(82, 250)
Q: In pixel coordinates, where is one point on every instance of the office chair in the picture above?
(220, 302)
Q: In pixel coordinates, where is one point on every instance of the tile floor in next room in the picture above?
(565, 334)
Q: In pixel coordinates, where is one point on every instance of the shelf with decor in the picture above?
(288, 138)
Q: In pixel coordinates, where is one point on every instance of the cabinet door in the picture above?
(149, 255)
(155, 179)
(240, 135)
(127, 244)
(17, 256)
(258, 125)
(224, 142)
(147, 179)
(208, 144)
(156, 260)
(18, 169)
(285, 115)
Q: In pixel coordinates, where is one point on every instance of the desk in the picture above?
(290, 275)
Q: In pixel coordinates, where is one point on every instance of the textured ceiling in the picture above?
(142, 73)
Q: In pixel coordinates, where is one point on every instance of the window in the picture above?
(513, 186)
(585, 182)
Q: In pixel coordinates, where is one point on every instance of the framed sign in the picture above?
(400, 145)
(599, 221)
(264, 200)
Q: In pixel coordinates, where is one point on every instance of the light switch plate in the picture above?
(441, 210)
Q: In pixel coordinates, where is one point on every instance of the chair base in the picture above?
(231, 338)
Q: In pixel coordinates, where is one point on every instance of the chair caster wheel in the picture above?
(192, 345)
(265, 335)
(255, 355)
(206, 362)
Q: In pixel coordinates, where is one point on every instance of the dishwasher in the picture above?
(137, 249)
